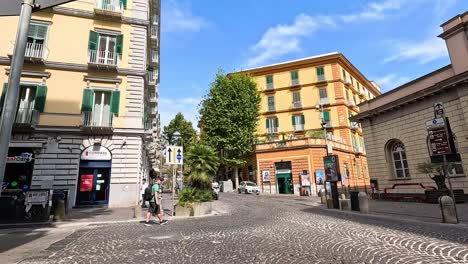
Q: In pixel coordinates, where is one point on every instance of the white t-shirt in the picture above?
(143, 188)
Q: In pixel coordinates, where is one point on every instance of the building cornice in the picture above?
(34, 74)
(77, 67)
(102, 79)
(88, 14)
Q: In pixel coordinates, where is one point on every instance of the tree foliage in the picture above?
(184, 127)
(229, 115)
(203, 163)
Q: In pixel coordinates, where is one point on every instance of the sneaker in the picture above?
(164, 222)
(148, 224)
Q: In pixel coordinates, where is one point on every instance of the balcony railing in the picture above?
(33, 51)
(294, 82)
(271, 109)
(355, 126)
(299, 127)
(327, 124)
(347, 81)
(351, 103)
(152, 76)
(320, 78)
(296, 105)
(111, 6)
(272, 130)
(102, 57)
(269, 86)
(324, 101)
(94, 119)
(154, 32)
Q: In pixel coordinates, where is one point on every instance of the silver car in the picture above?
(248, 187)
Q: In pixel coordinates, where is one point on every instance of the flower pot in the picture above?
(182, 211)
(432, 196)
(201, 208)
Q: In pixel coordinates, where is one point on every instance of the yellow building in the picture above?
(291, 142)
(87, 113)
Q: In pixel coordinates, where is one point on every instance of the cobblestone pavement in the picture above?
(266, 229)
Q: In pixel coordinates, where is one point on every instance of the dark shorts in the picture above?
(154, 208)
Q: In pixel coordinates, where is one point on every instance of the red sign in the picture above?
(439, 141)
(86, 184)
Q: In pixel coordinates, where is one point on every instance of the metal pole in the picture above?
(173, 189)
(7, 118)
(450, 186)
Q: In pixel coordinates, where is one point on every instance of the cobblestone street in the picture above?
(265, 229)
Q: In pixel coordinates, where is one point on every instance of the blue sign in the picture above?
(179, 157)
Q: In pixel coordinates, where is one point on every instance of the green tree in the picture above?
(184, 127)
(228, 118)
(202, 158)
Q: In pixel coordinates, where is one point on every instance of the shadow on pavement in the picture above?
(449, 232)
(19, 237)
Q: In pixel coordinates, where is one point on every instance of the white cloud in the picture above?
(283, 39)
(391, 81)
(423, 51)
(169, 107)
(176, 18)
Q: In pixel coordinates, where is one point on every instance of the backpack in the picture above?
(149, 192)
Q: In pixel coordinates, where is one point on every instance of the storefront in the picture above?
(94, 176)
(284, 179)
(19, 169)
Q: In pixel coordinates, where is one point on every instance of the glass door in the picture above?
(106, 49)
(25, 105)
(101, 109)
(93, 186)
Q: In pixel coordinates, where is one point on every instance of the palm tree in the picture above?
(203, 162)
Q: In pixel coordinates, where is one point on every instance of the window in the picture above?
(104, 48)
(294, 78)
(354, 142)
(320, 74)
(344, 75)
(354, 99)
(298, 122)
(35, 45)
(31, 101)
(358, 170)
(269, 81)
(326, 118)
(366, 172)
(99, 107)
(347, 94)
(272, 125)
(362, 144)
(397, 153)
(351, 79)
(297, 100)
(271, 103)
(323, 93)
(346, 170)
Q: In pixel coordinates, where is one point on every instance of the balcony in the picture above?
(269, 86)
(153, 100)
(103, 58)
(35, 52)
(95, 121)
(358, 149)
(351, 103)
(154, 58)
(154, 32)
(321, 78)
(294, 82)
(355, 126)
(327, 124)
(299, 127)
(361, 93)
(272, 130)
(109, 8)
(296, 105)
(324, 101)
(297, 143)
(152, 76)
(271, 109)
(26, 118)
(347, 82)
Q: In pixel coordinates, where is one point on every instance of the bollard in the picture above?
(447, 209)
(59, 213)
(363, 202)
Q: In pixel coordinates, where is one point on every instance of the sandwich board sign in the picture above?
(174, 155)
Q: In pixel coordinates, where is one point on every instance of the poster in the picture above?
(305, 180)
(266, 175)
(319, 177)
(86, 184)
(332, 169)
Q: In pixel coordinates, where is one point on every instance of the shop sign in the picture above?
(319, 177)
(37, 197)
(305, 180)
(332, 169)
(266, 175)
(96, 153)
(86, 184)
(23, 158)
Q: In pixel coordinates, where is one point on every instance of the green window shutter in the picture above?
(115, 102)
(302, 119)
(294, 120)
(326, 116)
(93, 40)
(294, 75)
(124, 3)
(276, 122)
(269, 79)
(88, 97)
(320, 71)
(119, 45)
(40, 99)
(267, 123)
(2, 98)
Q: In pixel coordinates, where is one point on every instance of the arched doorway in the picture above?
(94, 176)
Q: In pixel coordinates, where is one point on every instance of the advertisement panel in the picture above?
(332, 169)
(86, 184)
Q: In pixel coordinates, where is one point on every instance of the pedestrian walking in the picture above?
(155, 204)
(143, 187)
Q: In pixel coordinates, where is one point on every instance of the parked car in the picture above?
(248, 187)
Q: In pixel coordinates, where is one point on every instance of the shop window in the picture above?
(19, 169)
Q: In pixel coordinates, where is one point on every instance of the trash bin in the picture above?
(354, 200)
(59, 202)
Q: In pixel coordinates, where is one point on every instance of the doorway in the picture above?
(284, 178)
(93, 186)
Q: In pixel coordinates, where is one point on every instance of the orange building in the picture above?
(303, 100)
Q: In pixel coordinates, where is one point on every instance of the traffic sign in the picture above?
(174, 155)
(13, 8)
(435, 123)
(439, 111)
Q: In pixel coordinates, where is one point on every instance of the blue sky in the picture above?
(389, 41)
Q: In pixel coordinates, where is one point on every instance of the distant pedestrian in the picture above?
(155, 204)
(143, 186)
